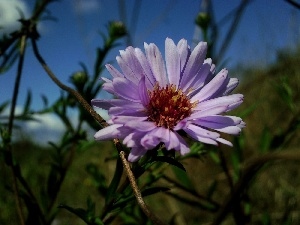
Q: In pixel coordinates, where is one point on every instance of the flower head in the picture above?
(155, 99)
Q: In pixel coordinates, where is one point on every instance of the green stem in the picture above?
(137, 192)
(11, 123)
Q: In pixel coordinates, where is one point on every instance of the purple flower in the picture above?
(155, 100)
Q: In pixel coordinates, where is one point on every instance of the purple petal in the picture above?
(221, 140)
(172, 62)
(232, 84)
(183, 146)
(156, 63)
(221, 101)
(207, 112)
(234, 130)
(203, 132)
(129, 64)
(173, 142)
(136, 153)
(133, 139)
(107, 86)
(202, 139)
(149, 141)
(200, 79)
(141, 125)
(126, 112)
(150, 81)
(213, 87)
(143, 93)
(124, 88)
(193, 65)
(217, 122)
(126, 119)
(154, 137)
(106, 104)
(182, 124)
(242, 124)
(110, 132)
(113, 71)
(184, 53)
(103, 104)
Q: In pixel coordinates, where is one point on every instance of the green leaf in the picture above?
(27, 103)
(45, 100)
(211, 189)
(183, 178)
(154, 190)
(170, 161)
(3, 106)
(215, 157)
(204, 205)
(98, 178)
(112, 188)
(236, 166)
(148, 191)
(248, 110)
(86, 215)
(265, 140)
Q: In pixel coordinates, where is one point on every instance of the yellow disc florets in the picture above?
(168, 105)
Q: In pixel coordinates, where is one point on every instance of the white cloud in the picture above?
(48, 127)
(10, 12)
(86, 6)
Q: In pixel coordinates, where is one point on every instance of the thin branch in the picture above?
(11, 123)
(81, 100)
(232, 29)
(137, 192)
(191, 191)
(249, 170)
(294, 3)
(226, 170)
(17, 84)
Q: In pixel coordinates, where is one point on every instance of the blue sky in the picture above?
(266, 26)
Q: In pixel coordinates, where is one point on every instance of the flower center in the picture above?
(168, 106)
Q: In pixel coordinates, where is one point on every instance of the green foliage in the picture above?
(88, 215)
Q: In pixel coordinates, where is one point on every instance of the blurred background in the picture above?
(257, 40)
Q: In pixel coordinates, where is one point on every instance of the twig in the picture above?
(293, 3)
(191, 191)
(81, 100)
(248, 172)
(232, 29)
(10, 126)
(137, 192)
(225, 169)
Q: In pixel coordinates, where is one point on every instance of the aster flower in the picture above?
(156, 100)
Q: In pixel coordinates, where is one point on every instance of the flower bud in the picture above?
(79, 78)
(203, 20)
(117, 29)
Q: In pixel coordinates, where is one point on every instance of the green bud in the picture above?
(203, 20)
(117, 29)
(79, 79)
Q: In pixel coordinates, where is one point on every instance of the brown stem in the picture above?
(137, 192)
(80, 99)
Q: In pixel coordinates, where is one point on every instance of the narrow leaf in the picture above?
(111, 191)
(171, 161)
